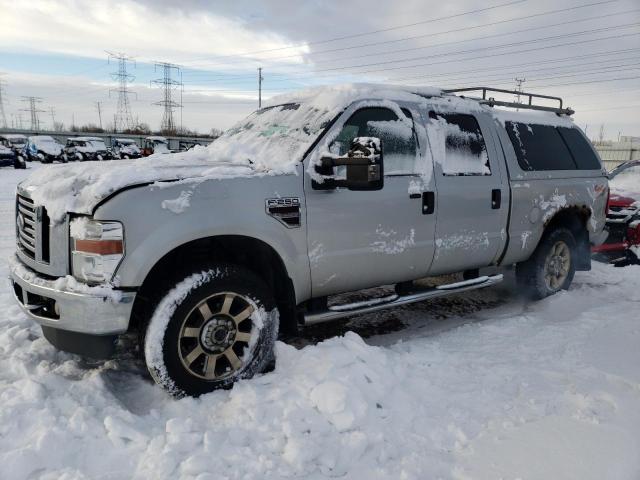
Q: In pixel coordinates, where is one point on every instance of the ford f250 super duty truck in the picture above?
(209, 253)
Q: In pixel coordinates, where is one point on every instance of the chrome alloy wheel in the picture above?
(216, 335)
(557, 265)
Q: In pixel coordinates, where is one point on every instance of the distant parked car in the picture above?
(126, 148)
(15, 141)
(622, 246)
(45, 149)
(8, 157)
(87, 148)
(155, 145)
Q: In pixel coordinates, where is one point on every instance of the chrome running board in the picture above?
(357, 308)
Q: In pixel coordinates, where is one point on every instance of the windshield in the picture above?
(17, 141)
(98, 145)
(273, 137)
(627, 179)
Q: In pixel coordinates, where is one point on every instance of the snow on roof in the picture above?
(125, 140)
(341, 95)
(534, 117)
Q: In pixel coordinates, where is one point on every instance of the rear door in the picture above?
(472, 197)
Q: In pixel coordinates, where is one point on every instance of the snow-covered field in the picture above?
(483, 386)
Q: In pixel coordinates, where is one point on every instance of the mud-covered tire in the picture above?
(232, 347)
(548, 270)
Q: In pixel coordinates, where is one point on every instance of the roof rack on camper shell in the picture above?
(530, 106)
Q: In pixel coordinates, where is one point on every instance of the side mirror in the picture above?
(364, 162)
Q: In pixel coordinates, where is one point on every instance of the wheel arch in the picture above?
(249, 252)
(574, 218)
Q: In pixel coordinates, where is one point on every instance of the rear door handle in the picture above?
(496, 198)
(428, 203)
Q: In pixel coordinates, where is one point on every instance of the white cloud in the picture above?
(88, 28)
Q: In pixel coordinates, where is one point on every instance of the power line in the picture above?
(123, 118)
(323, 72)
(168, 85)
(463, 29)
(474, 50)
(372, 32)
(476, 57)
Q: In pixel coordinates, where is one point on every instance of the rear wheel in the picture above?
(212, 329)
(551, 267)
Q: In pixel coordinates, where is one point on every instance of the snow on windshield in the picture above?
(274, 138)
(627, 180)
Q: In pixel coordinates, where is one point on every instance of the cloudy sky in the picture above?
(587, 51)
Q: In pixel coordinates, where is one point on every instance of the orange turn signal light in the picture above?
(100, 247)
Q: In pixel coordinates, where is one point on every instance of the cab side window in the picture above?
(398, 137)
(465, 148)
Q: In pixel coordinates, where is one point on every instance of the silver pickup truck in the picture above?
(208, 254)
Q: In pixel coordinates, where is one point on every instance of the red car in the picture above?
(622, 246)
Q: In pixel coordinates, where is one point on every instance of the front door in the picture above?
(360, 239)
(472, 203)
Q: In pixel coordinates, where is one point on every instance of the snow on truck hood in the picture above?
(79, 187)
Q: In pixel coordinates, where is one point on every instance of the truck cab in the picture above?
(210, 253)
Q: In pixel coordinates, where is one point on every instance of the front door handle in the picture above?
(428, 203)
(496, 198)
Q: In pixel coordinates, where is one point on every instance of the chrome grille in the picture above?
(26, 226)
(622, 214)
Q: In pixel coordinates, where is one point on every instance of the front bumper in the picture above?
(68, 305)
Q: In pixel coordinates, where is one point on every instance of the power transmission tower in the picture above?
(123, 119)
(52, 111)
(3, 117)
(168, 85)
(98, 106)
(260, 78)
(33, 111)
(519, 82)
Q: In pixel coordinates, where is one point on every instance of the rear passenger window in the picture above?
(539, 147)
(582, 152)
(465, 149)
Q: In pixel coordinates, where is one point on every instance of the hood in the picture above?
(49, 148)
(5, 151)
(78, 188)
(625, 199)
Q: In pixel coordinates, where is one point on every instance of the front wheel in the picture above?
(551, 267)
(212, 329)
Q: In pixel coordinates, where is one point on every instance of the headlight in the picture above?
(96, 249)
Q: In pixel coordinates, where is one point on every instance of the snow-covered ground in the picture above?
(483, 386)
